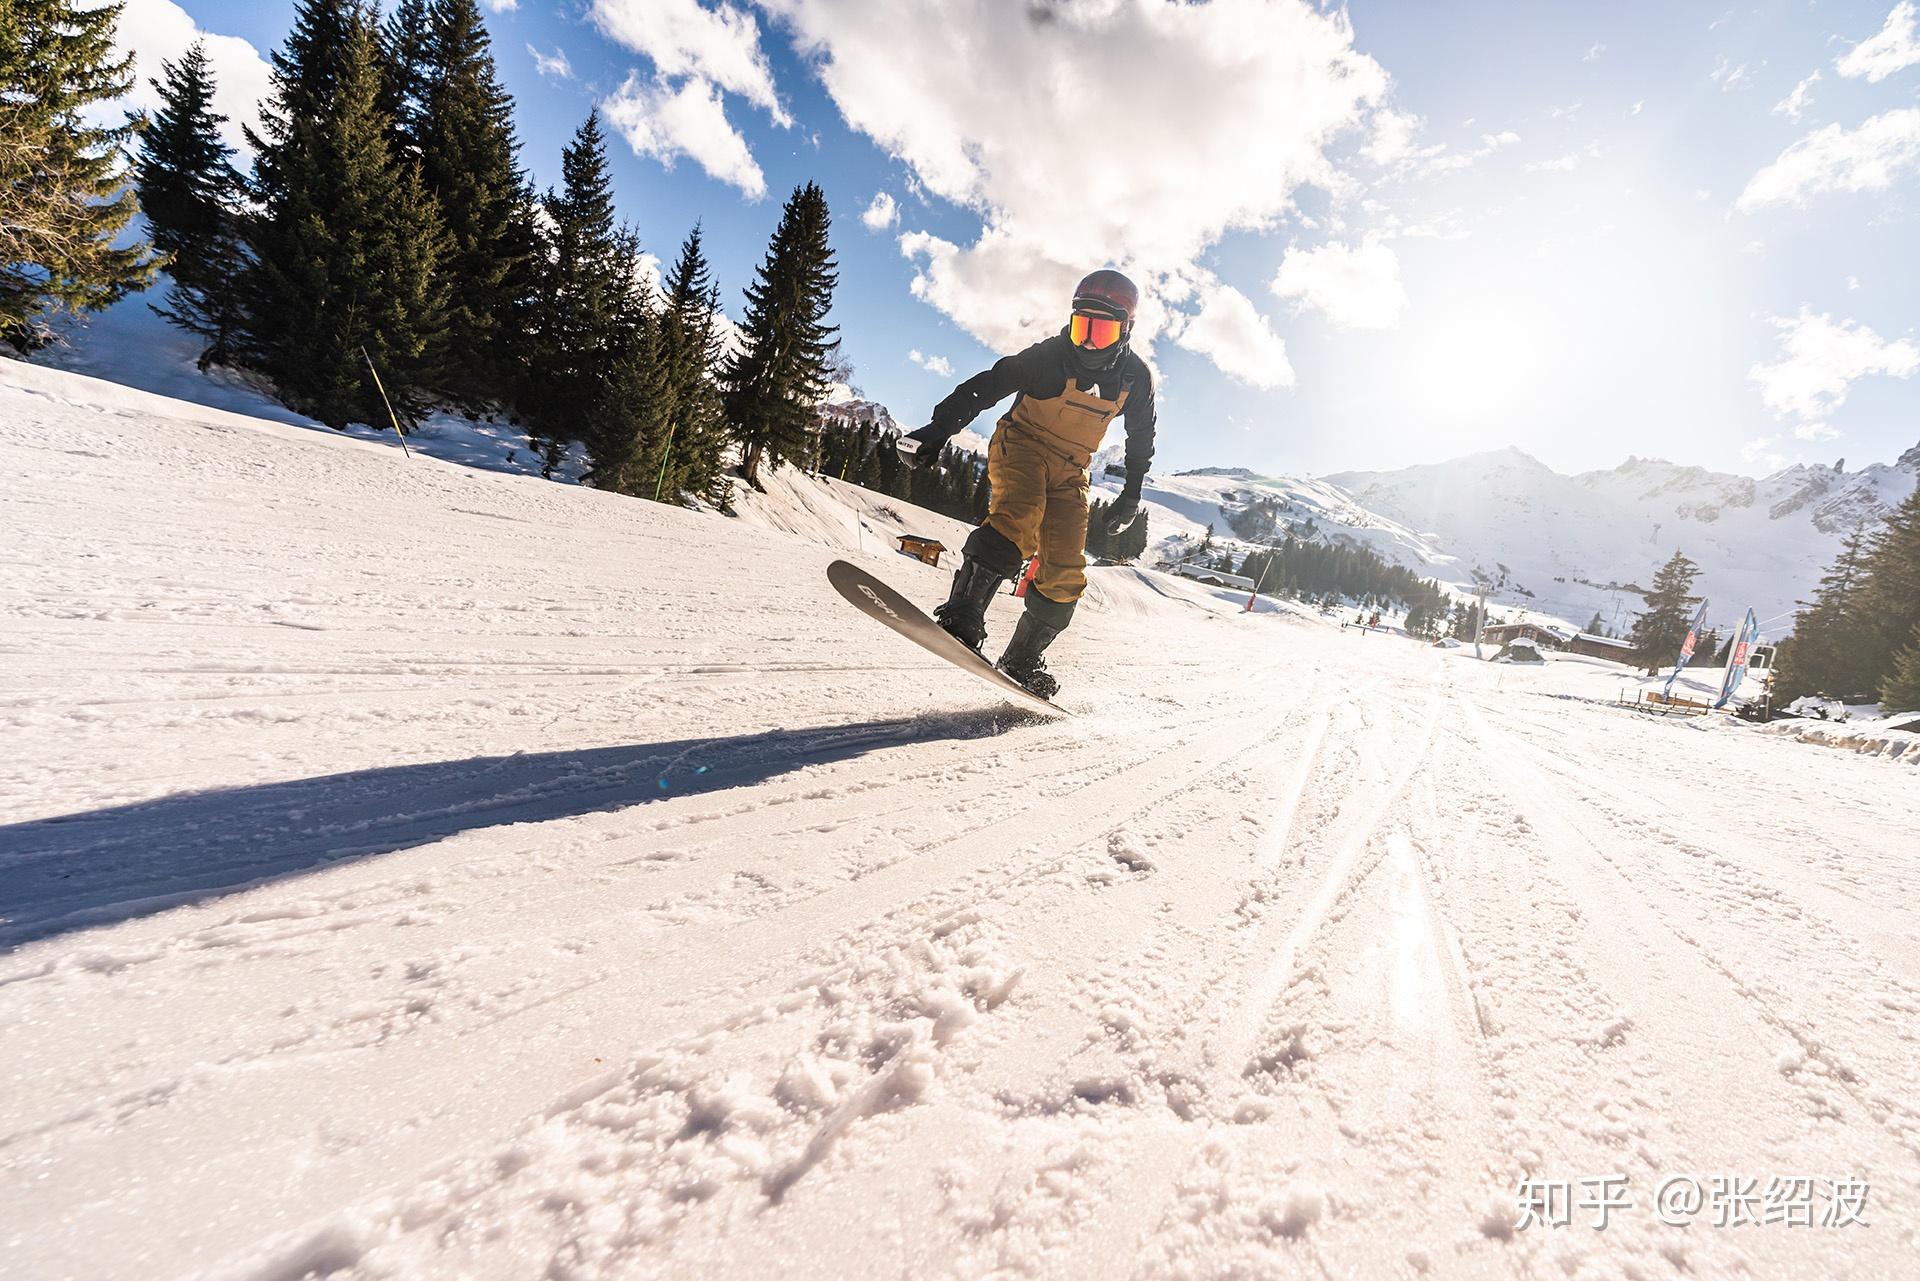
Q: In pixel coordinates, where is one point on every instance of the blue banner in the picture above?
(1737, 659)
(1686, 650)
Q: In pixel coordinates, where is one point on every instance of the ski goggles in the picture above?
(1095, 332)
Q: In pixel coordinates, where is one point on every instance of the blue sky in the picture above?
(1372, 236)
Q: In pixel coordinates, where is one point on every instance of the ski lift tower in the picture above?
(1484, 586)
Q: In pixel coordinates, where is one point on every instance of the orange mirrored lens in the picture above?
(1096, 332)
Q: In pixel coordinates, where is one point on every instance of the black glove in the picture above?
(1125, 509)
(922, 448)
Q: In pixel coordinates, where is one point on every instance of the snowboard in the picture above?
(884, 605)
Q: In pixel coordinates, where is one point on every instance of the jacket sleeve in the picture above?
(1140, 415)
(1008, 375)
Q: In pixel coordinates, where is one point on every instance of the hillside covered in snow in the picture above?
(1581, 543)
(1573, 546)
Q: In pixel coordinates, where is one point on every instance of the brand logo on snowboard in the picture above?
(879, 604)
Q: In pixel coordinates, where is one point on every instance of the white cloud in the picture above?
(1853, 283)
(1236, 338)
(1432, 160)
(1759, 452)
(1726, 75)
(1815, 432)
(1820, 358)
(1638, 107)
(882, 213)
(1393, 138)
(153, 30)
(1227, 111)
(502, 6)
(663, 122)
(553, 64)
(1895, 48)
(698, 54)
(1835, 158)
(1559, 164)
(1796, 102)
(720, 45)
(1593, 54)
(1753, 247)
(932, 364)
(1355, 288)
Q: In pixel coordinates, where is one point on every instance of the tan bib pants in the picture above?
(1037, 466)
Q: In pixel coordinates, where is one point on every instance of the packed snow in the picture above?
(415, 871)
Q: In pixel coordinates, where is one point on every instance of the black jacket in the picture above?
(1041, 371)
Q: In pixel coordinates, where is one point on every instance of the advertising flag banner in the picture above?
(1686, 650)
(1737, 658)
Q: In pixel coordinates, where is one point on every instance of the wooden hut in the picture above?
(925, 550)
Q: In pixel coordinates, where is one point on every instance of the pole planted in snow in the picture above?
(665, 455)
(1265, 568)
(381, 388)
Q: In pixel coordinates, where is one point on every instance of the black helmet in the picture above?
(1103, 307)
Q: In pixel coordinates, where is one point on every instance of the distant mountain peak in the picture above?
(1510, 453)
(1238, 473)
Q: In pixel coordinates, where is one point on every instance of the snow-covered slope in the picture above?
(130, 345)
(413, 871)
(1182, 505)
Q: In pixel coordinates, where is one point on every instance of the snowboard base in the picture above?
(885, 605)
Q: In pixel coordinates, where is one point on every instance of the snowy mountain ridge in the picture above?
(1760, 542)
(1572, 545)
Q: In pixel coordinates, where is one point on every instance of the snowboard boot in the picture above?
(964, 616)
(1038, 627)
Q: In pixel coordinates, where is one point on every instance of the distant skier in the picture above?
(1067, 389)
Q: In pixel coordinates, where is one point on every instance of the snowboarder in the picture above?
(1067, 389)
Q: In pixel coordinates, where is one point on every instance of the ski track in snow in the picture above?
(407, 872)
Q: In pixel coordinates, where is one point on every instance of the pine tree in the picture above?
(404, 38)
(347, 245)
(686, 437)
(191, 194)
(1097, 529)
(587, 378)
(781, 371)
(1662, 628)
(64, 195)
(1132, 544)
(1596, 626)
(884, 467)
(1900, 690)
(1889, 601)
(462, 131)
(1824, 654)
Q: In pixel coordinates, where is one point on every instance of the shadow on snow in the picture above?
(77, 871)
